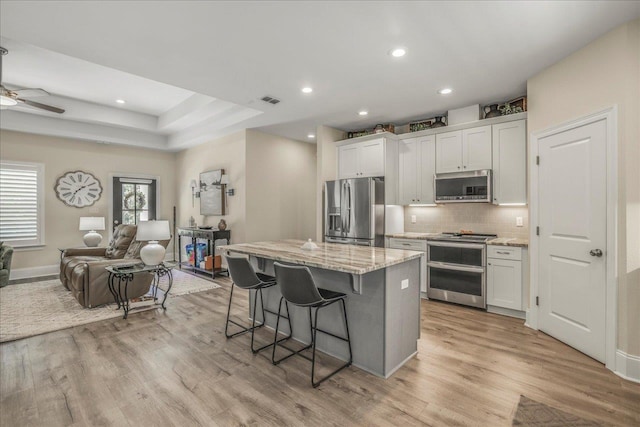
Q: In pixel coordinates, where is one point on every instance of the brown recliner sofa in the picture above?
(82, 270)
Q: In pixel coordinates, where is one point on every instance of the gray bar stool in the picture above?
(244, 276)
(298, 288)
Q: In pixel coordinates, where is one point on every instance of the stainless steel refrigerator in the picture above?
(354, 211)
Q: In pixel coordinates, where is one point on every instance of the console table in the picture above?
(210, 235)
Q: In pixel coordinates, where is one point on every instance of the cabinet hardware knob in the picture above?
(488, 263)
(464, 167)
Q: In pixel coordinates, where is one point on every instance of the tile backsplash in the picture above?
(477, 217)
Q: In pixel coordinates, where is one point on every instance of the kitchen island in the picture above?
(383, 298)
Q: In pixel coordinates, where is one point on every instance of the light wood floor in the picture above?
(176, 368)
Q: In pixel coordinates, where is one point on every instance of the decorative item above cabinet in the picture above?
(515, 106)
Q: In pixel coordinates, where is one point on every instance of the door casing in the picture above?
(610, 115)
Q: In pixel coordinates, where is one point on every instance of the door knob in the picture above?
(595, 252)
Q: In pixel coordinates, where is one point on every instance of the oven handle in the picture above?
(455, 267)
(457, 245)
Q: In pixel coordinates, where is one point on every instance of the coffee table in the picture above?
(121, 275)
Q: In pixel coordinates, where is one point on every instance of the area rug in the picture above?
(36, 308)
(532, 413)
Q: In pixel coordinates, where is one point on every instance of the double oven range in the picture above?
(457, 268)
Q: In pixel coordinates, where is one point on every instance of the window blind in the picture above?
(20, 207)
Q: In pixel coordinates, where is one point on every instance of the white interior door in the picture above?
(572, 212)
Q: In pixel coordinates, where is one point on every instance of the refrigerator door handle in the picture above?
(342, 207)
(349, 208)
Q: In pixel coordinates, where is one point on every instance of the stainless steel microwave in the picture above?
(463, 187)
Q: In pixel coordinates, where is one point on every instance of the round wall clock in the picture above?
(78, 189)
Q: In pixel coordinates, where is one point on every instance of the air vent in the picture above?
(270, 100)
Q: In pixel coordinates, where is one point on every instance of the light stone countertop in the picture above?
(509, 241)
(412, 235)
(330, 256)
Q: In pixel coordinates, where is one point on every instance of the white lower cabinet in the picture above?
(412, 245)
(506, 276)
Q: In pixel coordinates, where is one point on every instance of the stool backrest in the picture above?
(241, 272)
(297, 285)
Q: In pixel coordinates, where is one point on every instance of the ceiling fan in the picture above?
(9, 98)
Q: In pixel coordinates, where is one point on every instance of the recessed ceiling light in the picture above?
(307, 89)
(7, 101)
(398, 52)
(120, 101)
(311, 135)
(363, 113)
(445, 91)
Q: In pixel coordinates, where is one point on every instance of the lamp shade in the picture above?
(153, 230)
(224, 179)
(91, 223)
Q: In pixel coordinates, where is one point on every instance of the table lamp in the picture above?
(91, 224)
(152, 231)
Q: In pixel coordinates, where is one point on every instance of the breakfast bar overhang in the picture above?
(383, 302)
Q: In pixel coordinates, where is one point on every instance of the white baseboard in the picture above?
(506, 312)
(47, 270)
(25, 273)
(627, 366)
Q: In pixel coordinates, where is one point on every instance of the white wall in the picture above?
(61, 155)
(228, 153)
(281, 201)
(273, 179)
(603, 74)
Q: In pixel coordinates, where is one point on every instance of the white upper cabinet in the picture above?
(416, 167)
(362, 159)
(372, 158)
(510, 162)
(463, 150)
(348, 161)
(408, 171)
(476, 148)
(449, 152)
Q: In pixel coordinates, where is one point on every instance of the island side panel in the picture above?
(365, 314)
(402, 331)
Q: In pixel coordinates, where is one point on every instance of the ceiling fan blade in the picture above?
(41, 106)
(31, 92)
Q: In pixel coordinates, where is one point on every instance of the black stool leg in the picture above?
(244, 328)
(276, 341)
(347, 339)
(226, 326)
(256, 350)
(346, 326)
(253, 319)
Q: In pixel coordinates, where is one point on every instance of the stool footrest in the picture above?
(243, 331)
(293, 353)
(331, 334)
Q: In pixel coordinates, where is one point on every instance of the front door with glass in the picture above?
(134, 200)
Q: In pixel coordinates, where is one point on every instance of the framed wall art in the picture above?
(212, 193)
